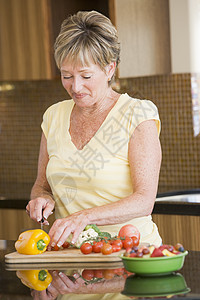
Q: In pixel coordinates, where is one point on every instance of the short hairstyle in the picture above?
(87, 35)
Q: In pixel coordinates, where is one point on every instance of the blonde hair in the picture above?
(87, 35)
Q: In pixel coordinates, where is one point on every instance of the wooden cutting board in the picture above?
(62, 256)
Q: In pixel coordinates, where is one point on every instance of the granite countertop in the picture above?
(121, 286)
(178, 203)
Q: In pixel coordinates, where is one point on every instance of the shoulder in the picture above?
(135, 104)
(54, 115)
(59, 106)
(136, 111)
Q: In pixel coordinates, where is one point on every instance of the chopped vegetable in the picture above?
(152, 251)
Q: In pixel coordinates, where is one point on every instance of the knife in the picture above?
(42, 221)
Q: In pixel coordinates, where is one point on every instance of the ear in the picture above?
(110, 69)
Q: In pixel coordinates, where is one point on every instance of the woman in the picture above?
(100, 154)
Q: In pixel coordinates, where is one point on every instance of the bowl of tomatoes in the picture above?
(154, 261)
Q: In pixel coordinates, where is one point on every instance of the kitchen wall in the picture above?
(22, 104)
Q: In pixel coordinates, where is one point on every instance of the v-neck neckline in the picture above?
(96, 133)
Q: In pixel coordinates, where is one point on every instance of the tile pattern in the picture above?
(21, 111)
(172, 94)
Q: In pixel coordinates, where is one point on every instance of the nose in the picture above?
(76, 84)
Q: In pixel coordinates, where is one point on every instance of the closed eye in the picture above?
(67, 77)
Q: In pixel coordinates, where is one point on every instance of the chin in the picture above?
(84, 103)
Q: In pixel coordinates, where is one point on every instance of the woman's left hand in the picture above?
(62, 228)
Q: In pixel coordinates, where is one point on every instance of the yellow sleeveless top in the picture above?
(98, 174)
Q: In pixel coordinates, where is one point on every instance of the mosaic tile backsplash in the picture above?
(22, 104)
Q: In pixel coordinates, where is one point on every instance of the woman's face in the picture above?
(87, 85)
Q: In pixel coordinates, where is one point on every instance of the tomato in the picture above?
(116, 248)
(135, 240)
(98, 273)
(106, 249)
(119, 271)
(97, 247)
(108, 273)
(66, 245)
(128, 242)
(129, 230)
(55, 248)
(88, 274)
(118, 242)
(86, 248)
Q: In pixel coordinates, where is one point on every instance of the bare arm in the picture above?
(145, 160)
(41, 196)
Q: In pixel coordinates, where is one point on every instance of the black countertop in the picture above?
(177, 202)
(115, 284)
(168, 203)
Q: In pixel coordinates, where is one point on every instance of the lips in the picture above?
(79, 96)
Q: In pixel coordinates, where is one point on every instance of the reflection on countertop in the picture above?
(97, 283)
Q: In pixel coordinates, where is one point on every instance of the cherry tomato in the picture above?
(66, 245)
(128, 242)
(108, 273)
(119, 271)
(55, 248)
(118, 242)
(116, 248)
(97, 247)
(86, 248)
(88, 274)
(135, 241)
(106, 249)
(98, 273)
(129, 230)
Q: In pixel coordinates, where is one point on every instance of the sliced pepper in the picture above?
(38, 280)
(32, 242)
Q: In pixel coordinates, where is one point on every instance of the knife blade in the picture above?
(42, 221)
(42, 225)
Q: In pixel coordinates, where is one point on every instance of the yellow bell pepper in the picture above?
(32, 242)
(38, 280)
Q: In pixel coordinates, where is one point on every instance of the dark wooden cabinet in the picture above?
(28, 29)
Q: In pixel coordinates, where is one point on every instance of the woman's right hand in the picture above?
(39, 208)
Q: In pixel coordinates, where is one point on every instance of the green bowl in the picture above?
(172, 284)
(154, 265)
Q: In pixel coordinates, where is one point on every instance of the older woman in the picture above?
(100, 154)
